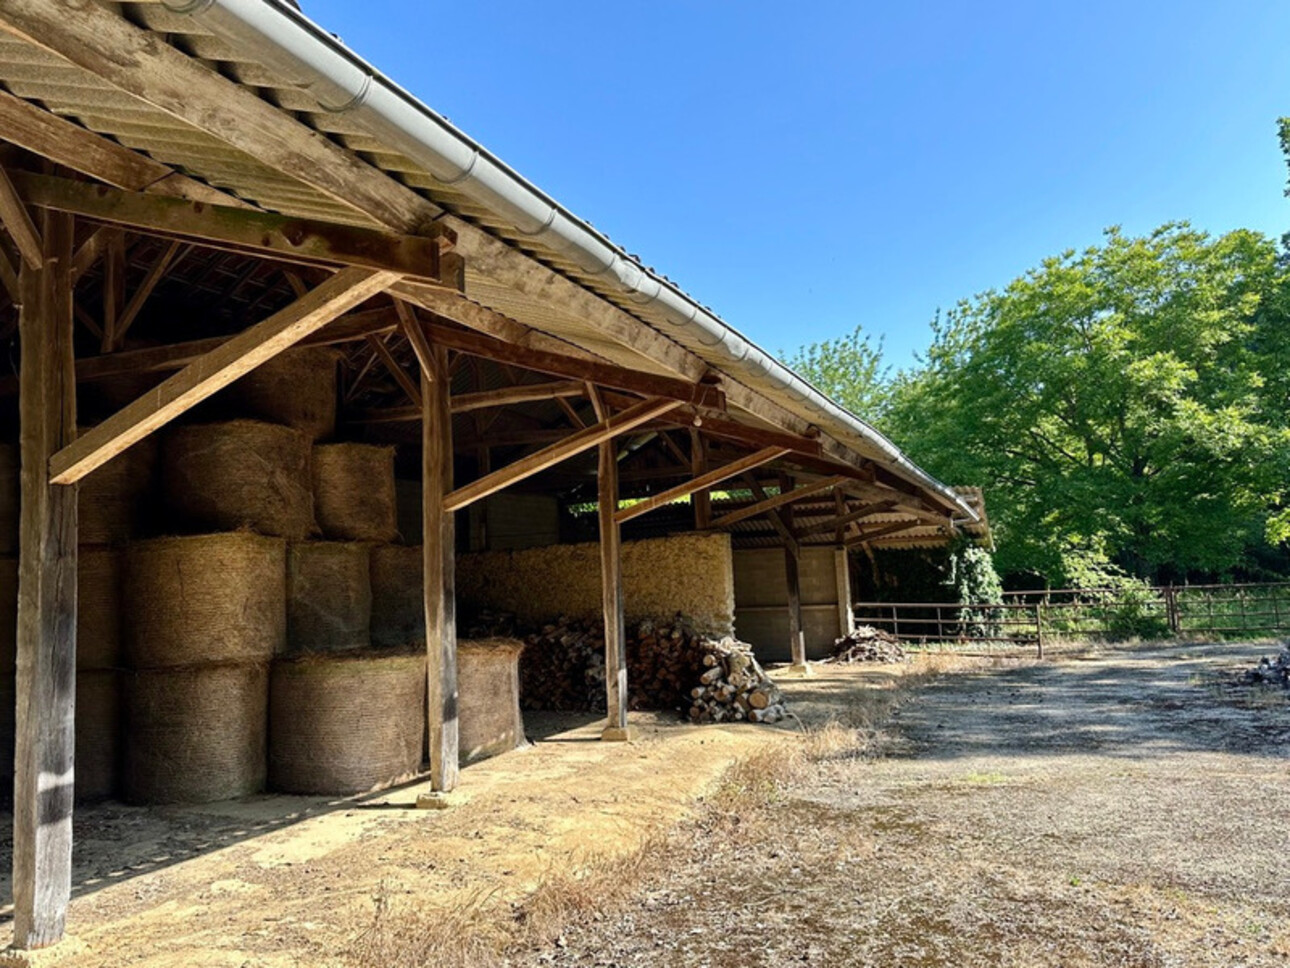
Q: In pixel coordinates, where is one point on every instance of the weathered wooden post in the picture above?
(46, 664)
(611, 591)
(1039, 630)
(439, 548)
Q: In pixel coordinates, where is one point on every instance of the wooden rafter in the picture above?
(702, 482)
(304, 241)
(864, 537)
(786, 534)
(396, 370)
(575, 443)
(15, 217)
(778, 501)
(842, 520)
(523, 393)
(216, 370)
(9, 277)
(156, 272)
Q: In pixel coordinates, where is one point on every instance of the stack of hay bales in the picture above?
(98, 672)
(207, 614)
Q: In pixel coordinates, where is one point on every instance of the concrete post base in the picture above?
(436, 800)
(618, 734)
(804, 669)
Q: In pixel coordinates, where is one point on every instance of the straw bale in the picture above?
(115, 502)
(329, 596)
(239, 474)
(398, 595)
(205, 598)
(346, 723)
(98, 608)
(195, 735)
(488, 706)
(9, 484)
(296, 388)
(687, 573)
(98, 733)
(354, 492)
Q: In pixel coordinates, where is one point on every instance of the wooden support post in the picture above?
(796, 631)
(46, 666)
(439, 544)
(698, 467)
(611, 585)
(842, 575)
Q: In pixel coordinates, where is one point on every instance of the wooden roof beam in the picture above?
(778, 501)
(214, 371)
(304, 241)
(841, 521)
(17, 220)
(700, 483)
(864, 537)
(571, 445)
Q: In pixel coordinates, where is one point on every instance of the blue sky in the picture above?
(804, 168)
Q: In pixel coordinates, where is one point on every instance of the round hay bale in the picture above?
(205, 598)
(354, 492)
(398, 595)
(488, 686)
(195, 735)
(98, 734)
(9, 484)
(296, 388)
(329, 596)
(98, 608)
(114, 503)
(347, 723)
(239, 474)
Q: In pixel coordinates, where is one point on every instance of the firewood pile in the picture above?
(733, 686)
(1274, 671)
(563, 667)
(868, 644)
(669, 666)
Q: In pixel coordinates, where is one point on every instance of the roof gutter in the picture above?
(275, 33)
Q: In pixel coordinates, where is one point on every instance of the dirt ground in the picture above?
(1125, 809)
(1117, 809)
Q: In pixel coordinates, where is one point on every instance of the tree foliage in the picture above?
(850, 370)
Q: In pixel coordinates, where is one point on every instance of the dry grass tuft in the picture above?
(409, 933)
(598, 886)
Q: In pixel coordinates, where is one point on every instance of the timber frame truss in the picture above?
(119, 271)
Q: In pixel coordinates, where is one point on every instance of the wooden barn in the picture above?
(315, 365)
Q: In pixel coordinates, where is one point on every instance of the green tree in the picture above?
(850, 370)
(1115, 399)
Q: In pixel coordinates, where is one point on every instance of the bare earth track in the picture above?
(1127, 808)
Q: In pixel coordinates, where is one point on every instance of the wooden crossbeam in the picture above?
(524, 393)
(554, 364)
(400, 375)
(156, 272)
(842, 520)
(864, 537)
(216, 370)
(304, 241)
(74, 147)
(702, 482)
(757, 436)
(92, 250)
(791, 544)
(9, 277)
(15, 217)
(416, 338)
(575, 443)
(779, 500)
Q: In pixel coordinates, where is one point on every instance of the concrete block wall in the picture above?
(761, 602)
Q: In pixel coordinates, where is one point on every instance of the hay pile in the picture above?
(239, 474)
(116, 502)
(329, 596)
(296, 388)
(398, 596)
(354, 492)
(98, 608)
(868, 644)
(488, 716)
(205, 599)
(98, 733)
(346, 723)
(196, 735)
